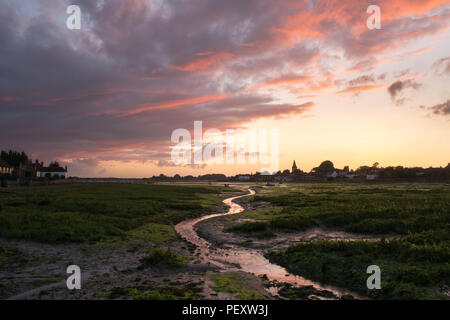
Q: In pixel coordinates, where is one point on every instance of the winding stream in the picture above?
(249, 260)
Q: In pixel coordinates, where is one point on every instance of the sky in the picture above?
(105, 99)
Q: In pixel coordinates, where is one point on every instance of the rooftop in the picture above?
(52, 169)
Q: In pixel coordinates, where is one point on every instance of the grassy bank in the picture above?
(416, 266)
(410, 268)
(164, 259)
(368, 209)
(94, 212)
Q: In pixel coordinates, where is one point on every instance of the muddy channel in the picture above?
(230, 253)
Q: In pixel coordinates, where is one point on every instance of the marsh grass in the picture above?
(252, 229)
(12, 257)
(154, 232)
(359, 208)
(235, 283)
(43, 282)
(408, 271)
(164, 259)
(415, 266)
(95, 211)
(152, 292)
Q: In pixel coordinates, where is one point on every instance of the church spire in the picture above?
(294, 167)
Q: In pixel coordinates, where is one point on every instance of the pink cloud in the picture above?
(362, 88)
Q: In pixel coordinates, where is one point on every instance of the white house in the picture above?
(52, 172)
(334, 174)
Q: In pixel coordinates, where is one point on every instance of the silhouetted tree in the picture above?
(53, 164)
(364, 170)
(14, 158)
(324, 168)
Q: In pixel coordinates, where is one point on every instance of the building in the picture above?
(51, 172)
(295, 170)
(332, 175)
(5, 168)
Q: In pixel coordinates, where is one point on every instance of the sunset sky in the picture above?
(105, 99)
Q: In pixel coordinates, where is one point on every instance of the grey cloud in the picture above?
(442, 66)
(398, 86)
(442, 109)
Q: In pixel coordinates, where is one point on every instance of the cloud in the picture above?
(343, 25)
(82, 167)
(285, 80)
(357, 89)
(8, 98)
(442, 66)
(174, 104)
(365, 82)
(204, 61)
(396, 88)
(138, 69)
(166, 163)
(362, 80)
(442, 109)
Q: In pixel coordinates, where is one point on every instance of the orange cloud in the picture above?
(9, 98)
(205, 61)
(313, 88)
(286, 81)
(397, 9)
(417, 52)
(362, 88)
(324, 19)
(175, 104)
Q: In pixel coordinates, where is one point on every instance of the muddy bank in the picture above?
(109, 270)
(38, 271)
(213, 231)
